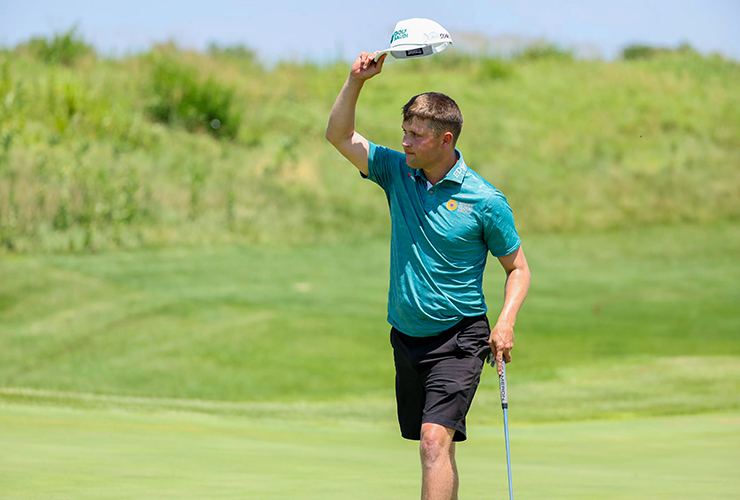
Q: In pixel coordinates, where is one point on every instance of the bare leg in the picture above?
(455, 477)
(438, 469)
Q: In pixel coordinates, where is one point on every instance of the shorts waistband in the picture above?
(463, 323)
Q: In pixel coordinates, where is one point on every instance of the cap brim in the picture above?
(413, 51)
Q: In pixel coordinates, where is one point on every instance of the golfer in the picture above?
(445, 218)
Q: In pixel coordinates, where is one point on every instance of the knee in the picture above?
(435, 445)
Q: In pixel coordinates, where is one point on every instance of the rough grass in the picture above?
(575, 145)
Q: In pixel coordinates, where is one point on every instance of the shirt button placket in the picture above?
(429, 200)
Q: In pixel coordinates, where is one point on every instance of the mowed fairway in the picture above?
(265, 373)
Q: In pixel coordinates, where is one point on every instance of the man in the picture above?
(445, 219)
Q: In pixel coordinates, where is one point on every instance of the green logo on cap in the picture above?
(398, 35)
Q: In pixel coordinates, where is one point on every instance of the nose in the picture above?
(405, 142)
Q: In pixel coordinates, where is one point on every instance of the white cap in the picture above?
(417, 38)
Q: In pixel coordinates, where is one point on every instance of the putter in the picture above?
(505, 407)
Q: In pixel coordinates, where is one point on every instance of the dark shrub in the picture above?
(64, 48)
(179, 97)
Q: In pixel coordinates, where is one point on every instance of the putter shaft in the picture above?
(505, 407)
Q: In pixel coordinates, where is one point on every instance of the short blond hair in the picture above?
(442, 113)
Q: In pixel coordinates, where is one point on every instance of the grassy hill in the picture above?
(174, 147)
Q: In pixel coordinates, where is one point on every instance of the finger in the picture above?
(364, 59)
(507, 355)
(358, 62)
(381, 60)
(499, 360)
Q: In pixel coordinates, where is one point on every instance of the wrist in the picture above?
(355, 81)
(506, 322)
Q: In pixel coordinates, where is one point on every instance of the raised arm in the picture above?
(341, 129)
(517, 286)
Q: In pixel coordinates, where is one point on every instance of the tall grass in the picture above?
(181, 147)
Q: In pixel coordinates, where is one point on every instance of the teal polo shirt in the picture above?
(440, 239)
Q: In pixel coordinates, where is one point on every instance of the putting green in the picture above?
(55, 452)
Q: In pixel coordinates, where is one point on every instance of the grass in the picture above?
(57, 453)
(108, 154)
(265, 372)
(636, 387)
(231, 341)
(615, 315)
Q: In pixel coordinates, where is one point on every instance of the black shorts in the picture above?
(436, 377)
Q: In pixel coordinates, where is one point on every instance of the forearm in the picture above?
(342, 119)
(517, 286)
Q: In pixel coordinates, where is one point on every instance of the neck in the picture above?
(437, 172)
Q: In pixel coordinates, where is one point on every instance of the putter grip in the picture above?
(502, 385)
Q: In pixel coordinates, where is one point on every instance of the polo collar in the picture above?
(456, 173)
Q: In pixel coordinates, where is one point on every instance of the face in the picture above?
(423, 149)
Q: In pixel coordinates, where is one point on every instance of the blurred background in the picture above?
(179, 242)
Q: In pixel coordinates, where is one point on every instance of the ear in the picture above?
(447, 140)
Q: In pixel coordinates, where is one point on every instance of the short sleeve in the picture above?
(382, 164)
(499, 229)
